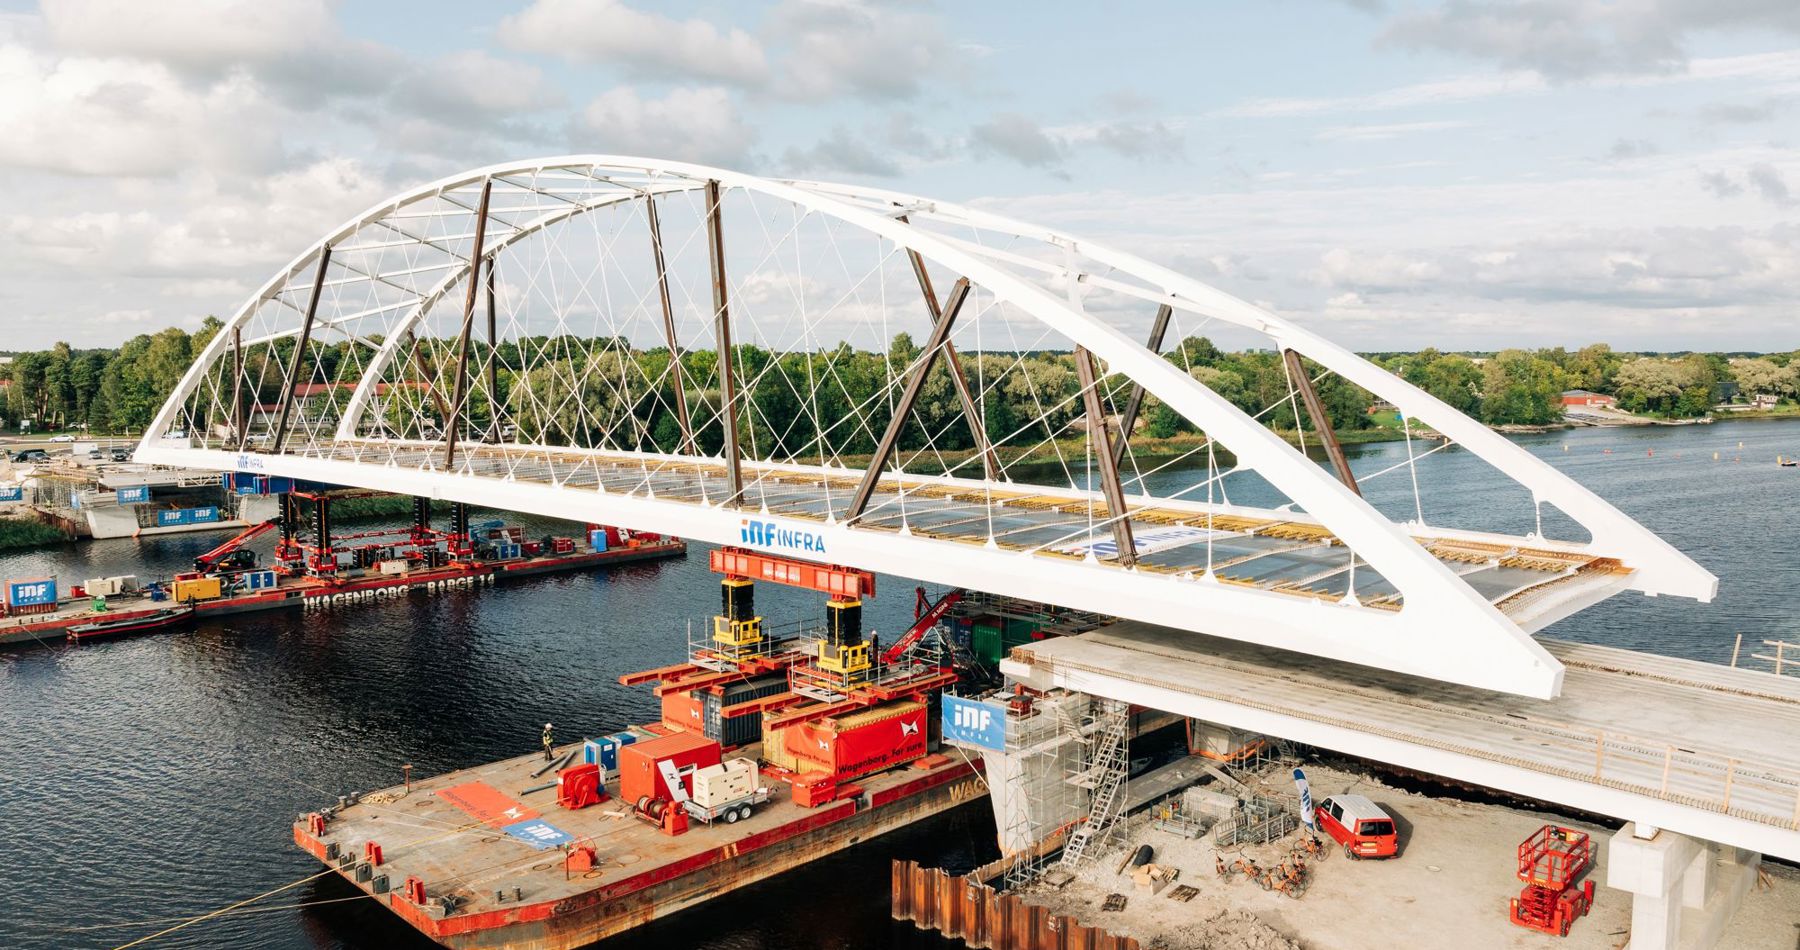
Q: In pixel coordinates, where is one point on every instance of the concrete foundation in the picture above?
(1684, 892)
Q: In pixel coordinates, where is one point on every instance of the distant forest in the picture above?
(117, 391)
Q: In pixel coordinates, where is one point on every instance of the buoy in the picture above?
(1565, 446)
(1651, 453)
(1715, 456)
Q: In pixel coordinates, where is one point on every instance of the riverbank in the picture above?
(1146, 451)
(18, 533)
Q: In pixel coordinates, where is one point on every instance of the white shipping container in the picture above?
(395, 566)
(727, 782)
(124, 583)
(102, 586)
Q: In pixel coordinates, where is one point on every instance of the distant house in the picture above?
(1583, 399)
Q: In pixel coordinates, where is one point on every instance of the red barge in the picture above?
(140, 613)
(774, 749)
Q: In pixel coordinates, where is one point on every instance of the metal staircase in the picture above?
(1107, 767)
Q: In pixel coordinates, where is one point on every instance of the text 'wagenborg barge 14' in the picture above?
(775, 747)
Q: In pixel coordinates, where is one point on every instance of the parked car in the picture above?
(94, 454)
(62, 438)
(121, 455)
(31, 455)
(1359, 825)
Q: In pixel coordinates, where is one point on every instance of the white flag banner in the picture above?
(1306, 805)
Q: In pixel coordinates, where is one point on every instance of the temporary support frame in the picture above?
(306, 327)
(715, 245)
(493, 362)
(990, 463)
(1135, 402)
(1315, 407)
(668, 322)
(1101, 440)
(453, 424)
(915, 384)
(237, 386)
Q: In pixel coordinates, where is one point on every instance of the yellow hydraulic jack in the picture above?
(844, 651)
(737, 630)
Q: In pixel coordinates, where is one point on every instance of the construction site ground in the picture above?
(1449, 887)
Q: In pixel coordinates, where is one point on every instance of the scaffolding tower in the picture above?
(1063, 773)
(1105, 770)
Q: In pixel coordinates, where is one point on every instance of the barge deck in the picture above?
(491, 858)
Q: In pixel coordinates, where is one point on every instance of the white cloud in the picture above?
(469, 86)
(701, 125)
(647, 45)
(1436, 92)
(115, 117)
(1374, 133)
(1575, 39)
(1019, 138)
(1777, 72)
(873, 50)
(197, 34)
(840, 151)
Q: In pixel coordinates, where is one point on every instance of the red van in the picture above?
(1359, 825)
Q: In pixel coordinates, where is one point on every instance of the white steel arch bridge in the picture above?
(545, 336)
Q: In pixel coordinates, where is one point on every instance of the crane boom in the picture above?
(210, 559)
(926, 621)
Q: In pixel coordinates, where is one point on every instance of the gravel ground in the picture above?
(1450, 886)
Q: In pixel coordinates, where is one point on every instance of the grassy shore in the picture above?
(24, 533)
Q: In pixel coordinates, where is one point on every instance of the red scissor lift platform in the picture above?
(1550, 863)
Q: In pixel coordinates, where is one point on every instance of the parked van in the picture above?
(1359, 825)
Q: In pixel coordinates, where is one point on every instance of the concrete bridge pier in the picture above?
(1684, 891)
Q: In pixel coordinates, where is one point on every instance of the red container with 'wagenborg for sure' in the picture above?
(860, 743)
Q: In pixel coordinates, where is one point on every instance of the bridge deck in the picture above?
(1534, 583)
(1695, 747)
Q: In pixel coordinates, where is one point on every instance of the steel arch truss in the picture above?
(693, 350)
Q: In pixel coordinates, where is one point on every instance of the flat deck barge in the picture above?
(314, 592)
(491, 857)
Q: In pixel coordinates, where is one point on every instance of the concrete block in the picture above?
(1648, 867)
(1208, 803)
(1697, 881)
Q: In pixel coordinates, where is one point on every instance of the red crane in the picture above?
(928, 618)
(228, 556)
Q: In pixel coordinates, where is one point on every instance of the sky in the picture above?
(1474, 174)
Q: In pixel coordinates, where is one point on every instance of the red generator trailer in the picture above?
(1550, 863)
(639, 776)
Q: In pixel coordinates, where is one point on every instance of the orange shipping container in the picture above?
(683, 710)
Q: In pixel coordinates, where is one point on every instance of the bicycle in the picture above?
(1288, 881)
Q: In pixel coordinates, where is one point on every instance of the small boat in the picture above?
(1788, 463)
(122, 626)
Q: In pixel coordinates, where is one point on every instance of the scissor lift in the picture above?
(1550, 863)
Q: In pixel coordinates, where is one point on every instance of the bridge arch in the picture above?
(380, 301)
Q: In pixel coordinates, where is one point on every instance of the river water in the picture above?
(156, 778)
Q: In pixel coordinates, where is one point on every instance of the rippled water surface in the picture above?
(156, 778)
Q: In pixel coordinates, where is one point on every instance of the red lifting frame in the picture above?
(838, 581)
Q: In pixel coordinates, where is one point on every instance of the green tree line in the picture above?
(567, 390)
